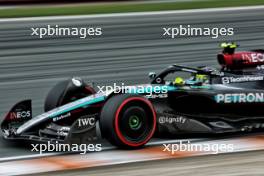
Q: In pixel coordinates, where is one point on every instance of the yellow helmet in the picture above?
(178, 81)
(228, 45)
(201, 77)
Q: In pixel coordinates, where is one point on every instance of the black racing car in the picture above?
(178, 100)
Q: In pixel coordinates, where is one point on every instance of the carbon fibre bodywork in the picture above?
(228, 101)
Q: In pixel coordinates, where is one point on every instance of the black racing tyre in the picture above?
(57, 96)
(128, 121)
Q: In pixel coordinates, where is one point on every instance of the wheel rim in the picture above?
(134, 122)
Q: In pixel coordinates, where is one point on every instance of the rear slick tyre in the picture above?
(128, 121)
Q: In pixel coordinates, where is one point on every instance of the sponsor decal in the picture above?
(61, 117)
(62, 133)
(227, 80)
(170, 120)
(88, 121)
(157, 96)
(253, 57)
(240, 98)
(20, 115)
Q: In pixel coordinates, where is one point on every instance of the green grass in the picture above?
(120, 7)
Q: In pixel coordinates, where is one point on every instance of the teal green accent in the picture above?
(164, 87)
(201, 87)
(171, 88)
(95, 100)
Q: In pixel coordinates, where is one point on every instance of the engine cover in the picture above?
(241, 60)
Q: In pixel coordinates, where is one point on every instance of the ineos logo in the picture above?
(254, 57)
(23, 114)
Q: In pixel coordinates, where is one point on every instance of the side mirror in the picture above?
(78, 82)
(152, 75)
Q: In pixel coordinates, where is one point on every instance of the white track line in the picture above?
(132, 14)
(11, 158)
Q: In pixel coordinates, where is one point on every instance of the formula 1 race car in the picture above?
(179, 100)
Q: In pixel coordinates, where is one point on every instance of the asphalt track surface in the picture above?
(238, 164)
(130, 47)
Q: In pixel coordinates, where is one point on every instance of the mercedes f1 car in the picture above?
(178, 100)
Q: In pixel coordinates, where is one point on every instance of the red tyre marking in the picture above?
(117, 130)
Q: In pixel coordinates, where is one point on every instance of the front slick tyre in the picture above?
(128, 121)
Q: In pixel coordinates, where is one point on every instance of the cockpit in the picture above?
(179, 76)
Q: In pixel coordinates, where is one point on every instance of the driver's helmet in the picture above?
(201, 78)
(229, 47)
(179, 81)
(197, 79)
